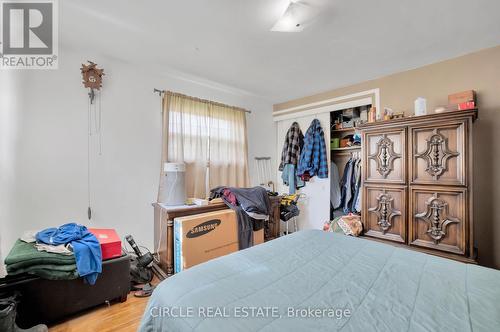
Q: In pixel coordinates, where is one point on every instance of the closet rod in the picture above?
(161, 92)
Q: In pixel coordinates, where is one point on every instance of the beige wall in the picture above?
(478, 71)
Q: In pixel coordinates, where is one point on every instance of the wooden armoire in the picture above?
(417, 183)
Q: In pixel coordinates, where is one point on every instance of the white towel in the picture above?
(60, 249)
(30, 237)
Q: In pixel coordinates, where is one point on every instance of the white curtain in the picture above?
(228, 155)
(210, 138)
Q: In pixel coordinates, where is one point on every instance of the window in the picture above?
(210, 138)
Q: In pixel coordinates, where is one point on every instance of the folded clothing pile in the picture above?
(26, 258)
(62, 253)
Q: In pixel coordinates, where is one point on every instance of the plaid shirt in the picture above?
(294, 141)
(313, 159)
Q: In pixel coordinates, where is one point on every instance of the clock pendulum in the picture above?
(92, 79)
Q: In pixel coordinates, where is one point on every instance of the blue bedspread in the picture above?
(356, 284)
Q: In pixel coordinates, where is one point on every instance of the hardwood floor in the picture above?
(124, 316)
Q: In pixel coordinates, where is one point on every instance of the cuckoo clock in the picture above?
(92, 76)
(92, 79)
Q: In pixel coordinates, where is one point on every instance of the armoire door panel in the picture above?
(385, 156)
(438, 154)
(385, 213)
(438, 218)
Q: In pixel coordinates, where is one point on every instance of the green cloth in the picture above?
(25, 254)
(25, 258)
(52, 272)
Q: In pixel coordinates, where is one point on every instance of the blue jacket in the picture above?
(313, 159)
(85, 245)
(291, 179)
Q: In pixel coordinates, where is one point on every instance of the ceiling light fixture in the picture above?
(292, 18)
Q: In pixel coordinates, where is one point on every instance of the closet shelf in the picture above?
(343, 130)
(347, 148)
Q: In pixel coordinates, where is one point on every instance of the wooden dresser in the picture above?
(417, 183)
(164, 222)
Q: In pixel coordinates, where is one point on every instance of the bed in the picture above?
(319, 281)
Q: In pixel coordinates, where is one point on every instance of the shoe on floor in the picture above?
(8, 312)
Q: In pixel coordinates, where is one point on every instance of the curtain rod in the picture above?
(161, 92)
(158, 91)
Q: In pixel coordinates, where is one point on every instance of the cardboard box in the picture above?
(258, 237)
(202, 237)
(111, 245)
(462, 97)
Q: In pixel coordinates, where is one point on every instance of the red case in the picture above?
(111, 245)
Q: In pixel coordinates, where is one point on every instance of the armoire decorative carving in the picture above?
(417, 183)
(384, 156)
(384, 211)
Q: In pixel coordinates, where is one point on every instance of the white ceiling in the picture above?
(229, 42)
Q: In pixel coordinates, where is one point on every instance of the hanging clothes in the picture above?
(294, 141)
(357, 203)
(356, 189)
(290, 178)
(335, 194)
(350, 186)
(346, 186)
(290, 155)
(313, 159)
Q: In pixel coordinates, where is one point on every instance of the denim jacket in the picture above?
(291, 179)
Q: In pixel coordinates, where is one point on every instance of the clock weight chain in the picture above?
(92, 79)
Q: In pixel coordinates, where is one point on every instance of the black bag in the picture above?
(138, 273)
(287, 212)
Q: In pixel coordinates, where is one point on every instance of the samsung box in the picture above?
(258, 237)
(111, 245)
(199, 238)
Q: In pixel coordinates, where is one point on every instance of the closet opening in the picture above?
(345, 160)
